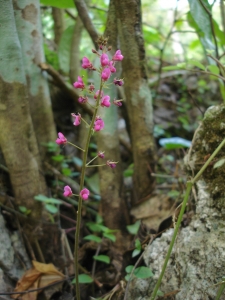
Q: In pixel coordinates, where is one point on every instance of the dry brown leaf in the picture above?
(39, 276)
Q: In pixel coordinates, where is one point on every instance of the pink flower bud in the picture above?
(91, 87)
(83, 99)
(106, 74)
(61, 139)
(118, 81)
(98, 124)
(117, 56)
(79, 84)
(86, 64)
(84, 194)
(101, 154)
(77, 119)
(97, 93)
(104, 59)
(67, 191)
(117, 102)
(111, 67)
(111, 164)
(105, 102)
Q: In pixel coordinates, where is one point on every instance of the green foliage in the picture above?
(102, 258)
(140, 272)
(92, 237)
(49, 203)
(83, 278)
(58, 158)
(58, 3)
(174, 143)
(24, 210)
(133, 229)
(137, 249)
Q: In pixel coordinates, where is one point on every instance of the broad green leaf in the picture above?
(129, 269)
(66, 171)
(45, 199)
(174, 143)
(136, 252)
(133, 229)
(23, 209)
(96, 227)
(58, 158)
(102, 258)
(93, 237)
(196, 63)
(219, 163)
(65, 48)
(138, 244)
(109, 236)
(127, 277)
(51, 208)
(128, 172)
(83, 278)
(143, 272)
(213, 69)
(59, 3)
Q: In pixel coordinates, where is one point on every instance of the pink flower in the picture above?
(104, 59)
(117, 56)
(61, 139)
(118, 81)
(111, 164)
(79, 83)
(99, 124)
(111, 67)
(77, 119)
(83, 99)
(91, 87)
(101, 154)
(67, 191)
(105, 102)
(106, 74)
(117, 102)
(97, 93)
(84, 194)
(86, 64)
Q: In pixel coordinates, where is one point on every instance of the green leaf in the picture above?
(23, 209)
(92, 237)
(99, 219)
(173, 194)
(58, 158)
(96, 227)
(128, 172)
(51, 208)
(83, 278)
(196, 63)
(138, 244)
(127, 277)
(136, 252)
(174, 143)
(45, 199)
(143, 272)
(170, 68)
(133, 229)
(109, 236)
(129, 269)
(102, 258)
(213, 69)
(219, 163)
(66, 171)
(65, 48)
(59, 3)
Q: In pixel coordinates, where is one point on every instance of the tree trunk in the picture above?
(17, 137)
(57, 14)
(138, 95)
(28, 23)
(197, 261)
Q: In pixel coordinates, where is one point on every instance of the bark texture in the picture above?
(27, 16)
(17, 137)
(197, 261)
(138, 95)
(113, 207)
(57, 14)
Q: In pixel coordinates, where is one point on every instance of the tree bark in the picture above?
(57, 14)
(17, 137)
(27, 17)
(138, 95)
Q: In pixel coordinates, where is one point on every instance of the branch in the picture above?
(59, 82)
(83, 14)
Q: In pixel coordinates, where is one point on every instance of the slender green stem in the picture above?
(186, 196)
(76, 146)
(95, 166)
(220, 291)
(77, 234)
(91, 160)
(85, 122)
